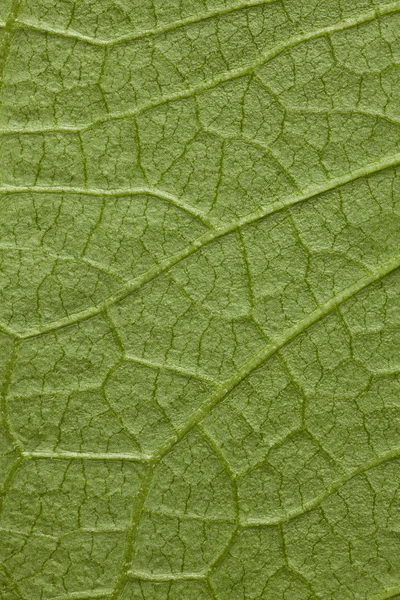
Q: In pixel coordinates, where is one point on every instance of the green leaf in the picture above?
(200, 300)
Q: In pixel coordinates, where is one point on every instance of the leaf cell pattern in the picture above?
(200, 300)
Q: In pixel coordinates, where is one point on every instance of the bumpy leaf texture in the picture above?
(200, 300)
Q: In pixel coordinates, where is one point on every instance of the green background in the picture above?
(200, 300)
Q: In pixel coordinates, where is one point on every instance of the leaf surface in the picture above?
(200, 300)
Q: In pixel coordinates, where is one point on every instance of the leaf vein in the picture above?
(227, 76)
(207, 238)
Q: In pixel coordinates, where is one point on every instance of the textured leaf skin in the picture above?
(200, 300)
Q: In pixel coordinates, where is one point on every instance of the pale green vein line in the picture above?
(7, 330)
(214, 564)
(388, 594)
(261, 148)
(26, 534)
(289, 568)
(75, 35)
(207, 238)
(211, 590)
(229, 75)
(6, 41)
(114, 193)
(191, 517)
(111, 530)
(14, 585)
(143, 576)
(351, 112)
(9, 480)
(59, 257)
(217, 451)
(133, 530)
(4, 52)
(272, 348)
(12, 438)
(86, 595)
(329, 490)
(87, 456)
(174, 369)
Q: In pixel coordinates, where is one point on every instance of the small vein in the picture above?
(217, 451)
(260, 147)
(290, 568)
(173, 368)
(61, 257)
(117, 193)
(191, 517)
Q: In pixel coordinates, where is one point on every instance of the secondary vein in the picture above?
(204, 240)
